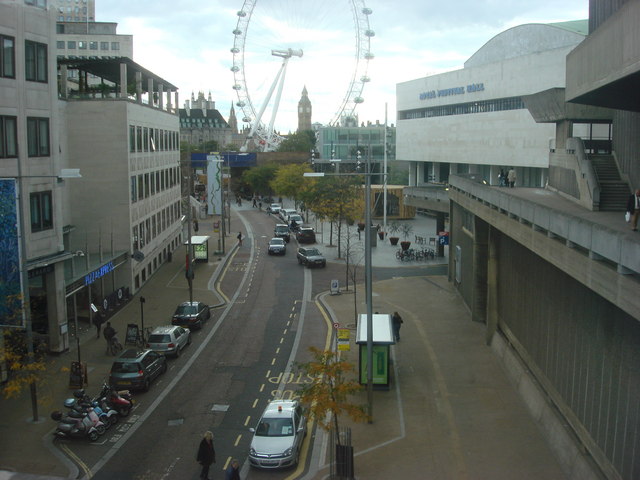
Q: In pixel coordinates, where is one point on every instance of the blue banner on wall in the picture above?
(11, 313)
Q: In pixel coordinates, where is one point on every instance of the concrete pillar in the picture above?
(138, 77)
(563, 132)
(160, 96)
(412, 174)
(63, 81)
(169, 107)
(480, 261)
(150, 92)
(492, 287)
(177, 105)
(440, 228)
(57, 310)
(123, 81)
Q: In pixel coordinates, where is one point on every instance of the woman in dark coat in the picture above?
(206, 454)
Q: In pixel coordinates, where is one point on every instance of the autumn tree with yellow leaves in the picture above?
(328, 395)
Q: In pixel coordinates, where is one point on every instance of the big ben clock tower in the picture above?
(304, 112)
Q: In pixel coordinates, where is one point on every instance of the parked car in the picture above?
(277, 439)
(274, 208)
(306, 234)
(281, 230)
(135, 369)
(311, 257)
(285, 212)
(277, 246)
(169, 340)
(191, 314)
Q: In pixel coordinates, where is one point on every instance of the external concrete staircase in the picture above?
(614, 192)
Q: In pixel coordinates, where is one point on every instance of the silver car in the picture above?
(169, 340)
(277, 439)
(277, 246)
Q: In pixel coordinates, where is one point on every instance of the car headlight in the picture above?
(252, 451)
(288, 452)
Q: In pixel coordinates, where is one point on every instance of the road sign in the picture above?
(343, 339)
(336, 325)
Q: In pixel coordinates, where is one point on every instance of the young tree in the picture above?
(328, 396)
(289, 181)
(259, 178)
(298, 142)
(353, 256)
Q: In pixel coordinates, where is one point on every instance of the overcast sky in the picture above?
(188, 43)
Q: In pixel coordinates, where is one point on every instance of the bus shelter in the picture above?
(382, 340)
(200, 247)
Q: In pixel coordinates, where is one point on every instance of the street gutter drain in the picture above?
(176, 422)
(219, 408)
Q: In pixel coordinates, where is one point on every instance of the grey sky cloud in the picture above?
(189, 42)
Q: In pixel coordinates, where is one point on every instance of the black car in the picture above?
(277, 246)
(135, 369)
(306, 234)
(191, 314)
(311, 257)
(282, 231)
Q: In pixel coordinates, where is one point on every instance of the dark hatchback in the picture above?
(281, 230)
(136, 369)
(306, 235)
(191, 314)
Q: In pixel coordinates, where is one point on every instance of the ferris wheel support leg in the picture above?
(276, 103)
(256, 122)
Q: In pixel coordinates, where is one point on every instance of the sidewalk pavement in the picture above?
(450, 412)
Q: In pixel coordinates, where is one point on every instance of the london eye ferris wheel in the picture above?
(328, 47)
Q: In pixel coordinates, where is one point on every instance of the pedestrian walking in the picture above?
(195, 226)
(233, 470)
(633, 209)
(502, 178)
(239, 237)
(255, 202)
(511, 177)
(97, 321)
(109, 333)
(396, 323)
(260, 205)
(206, 454)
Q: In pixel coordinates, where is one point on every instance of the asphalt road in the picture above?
(241, 359)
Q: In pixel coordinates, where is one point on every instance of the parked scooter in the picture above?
(78, 425)
(107, 415)
(121, 401)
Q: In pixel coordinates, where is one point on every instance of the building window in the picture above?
(115, 45)
(134, 191)
(132, 138)
(38, 137)
(41, 211)
(104, 45)
(37, 3)
(82, 45)
(8, 138)
(140, 187)
(36, 61)
(145, 139)
(60, 44)
(93, 45)
(138, 139)
(71, 44)
(7, 57)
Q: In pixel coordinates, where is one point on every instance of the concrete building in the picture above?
(552, 274)
(474, 119)
(80, 11)
(31, 154)
(126, 211)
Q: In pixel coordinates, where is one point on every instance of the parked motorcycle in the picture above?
(121, 401)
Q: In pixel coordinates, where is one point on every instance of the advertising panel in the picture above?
(214, 185)
(11, 313)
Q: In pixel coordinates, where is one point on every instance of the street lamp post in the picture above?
(367, 273)
(142, 300)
